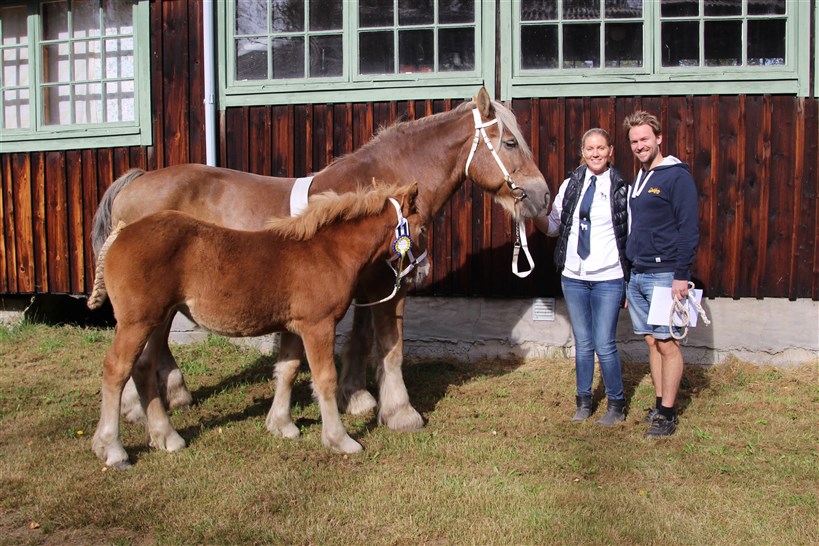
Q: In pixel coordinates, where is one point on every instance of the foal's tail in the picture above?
(102, 218)
(99, 293)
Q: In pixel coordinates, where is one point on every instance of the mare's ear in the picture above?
(484, 104)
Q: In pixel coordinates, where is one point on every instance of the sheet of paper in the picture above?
(661, 303)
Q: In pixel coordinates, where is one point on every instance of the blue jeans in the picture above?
(593, 310)
(640, 289)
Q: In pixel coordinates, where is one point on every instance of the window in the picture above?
(605, 47)
(73, 73)
(285, 51)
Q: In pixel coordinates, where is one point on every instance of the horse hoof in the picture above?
(405, 419)
(122, 465)
(289, 430)
(171, 442)
(361, 402)
(348, 445)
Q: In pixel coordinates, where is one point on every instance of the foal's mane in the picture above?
(506, 120)
(329, 207)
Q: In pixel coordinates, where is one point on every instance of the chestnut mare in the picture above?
(439, 152)
(297, 275)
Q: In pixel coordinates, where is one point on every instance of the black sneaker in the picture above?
(661, 426)
(650, 416)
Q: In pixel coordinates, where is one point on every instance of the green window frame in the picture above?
(368, 42)
(639, 25)
(74, 74)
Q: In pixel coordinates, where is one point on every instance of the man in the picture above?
(661, 247)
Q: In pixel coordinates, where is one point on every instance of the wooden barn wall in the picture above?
(754, 159)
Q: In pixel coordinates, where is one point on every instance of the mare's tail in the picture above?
(99, 293)
(102, 218)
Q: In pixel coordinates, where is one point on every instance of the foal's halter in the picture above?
(517, 192)
(402, 246)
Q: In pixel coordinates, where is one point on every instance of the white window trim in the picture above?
(360, 88)
(793, 78)
(136, 133)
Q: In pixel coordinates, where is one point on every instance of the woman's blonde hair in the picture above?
(593, 131)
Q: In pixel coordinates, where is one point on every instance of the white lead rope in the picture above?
(521, 242)
(680, 309)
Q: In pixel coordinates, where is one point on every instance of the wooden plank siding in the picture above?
(755, 160)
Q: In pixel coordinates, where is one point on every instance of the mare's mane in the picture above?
(506, 120)
(329, 207)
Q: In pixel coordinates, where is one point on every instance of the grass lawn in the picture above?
(497, 463)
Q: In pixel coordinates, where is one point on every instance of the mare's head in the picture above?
(500, 162)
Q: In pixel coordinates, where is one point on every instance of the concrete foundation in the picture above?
(770, 331)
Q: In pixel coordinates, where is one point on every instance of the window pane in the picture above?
(376, 53)
(679, 8)
(326, 56)
(581, 46)
(416, 49)
(88, 103)
(766, 7)
(456, 11)
(723, 43)
(87, 60)
(766, 42)
(15, 67)
(117, 17)
(538, 10)
(538, 47)
(55, 20)
(16, 109)
(723, 7)
(251, 17)
(680, 43)
(251, 59)
(624, 45)
(375, 13)
(288, 58)
(57, 107)
(326, 14)
(287, 16)
(456, 49)
(119, 58)
(85, 18)
(620, 9)
(416, 12)
(13, 30)
(581, 9)
(55, 68)
(119, 101)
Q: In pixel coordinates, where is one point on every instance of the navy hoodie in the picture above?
(664, 220)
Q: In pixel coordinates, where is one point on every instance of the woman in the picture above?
(590, 217)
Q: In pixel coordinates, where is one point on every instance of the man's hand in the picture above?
(679, 290)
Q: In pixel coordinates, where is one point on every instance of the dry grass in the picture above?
(497, 463)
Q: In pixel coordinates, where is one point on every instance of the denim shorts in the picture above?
(640, 288)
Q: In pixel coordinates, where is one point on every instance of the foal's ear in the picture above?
(409, 199)
(484, 104)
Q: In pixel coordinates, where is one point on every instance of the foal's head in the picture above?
(509, 173)
(329, 208)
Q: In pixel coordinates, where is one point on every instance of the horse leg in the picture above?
(395, 409)
(161, 433)
(353, 396)
(319, 342)
(117, 367)
(279, 420)
(172, 388)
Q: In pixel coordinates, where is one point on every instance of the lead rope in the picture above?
(403, 249)
(680, 309)
(520, 228)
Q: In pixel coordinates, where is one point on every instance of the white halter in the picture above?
(520, 229)
(402, 247)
